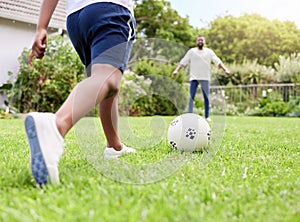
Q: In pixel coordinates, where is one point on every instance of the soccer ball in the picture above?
(189, 132)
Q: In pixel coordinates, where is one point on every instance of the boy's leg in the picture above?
(103, 83)
(108, 110)
(101, 88)
(45, 131)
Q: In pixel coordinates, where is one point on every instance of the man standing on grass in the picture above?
(199, 60)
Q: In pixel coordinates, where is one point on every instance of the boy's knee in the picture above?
(109, 77)
(113, 86)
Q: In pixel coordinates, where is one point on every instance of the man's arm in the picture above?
(183, 62)
(177, 69)
(225, 69)
(218, 61)
(40, 43)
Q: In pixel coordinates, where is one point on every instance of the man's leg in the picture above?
(205, 86)
(193, 89)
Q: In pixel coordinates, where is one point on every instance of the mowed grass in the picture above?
(254, 176)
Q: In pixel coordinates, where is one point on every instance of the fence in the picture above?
(252, 94)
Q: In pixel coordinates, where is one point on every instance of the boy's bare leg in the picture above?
(108, 110)
(102, 85)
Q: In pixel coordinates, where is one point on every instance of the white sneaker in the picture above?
(46, 146)
(111, 153)
(208, 119)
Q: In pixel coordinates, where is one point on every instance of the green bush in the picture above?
(44, 86)
(276, 108)
(249, 72)
(271, 105)
(271, 108)
(150, 105)
(133, 89)
(294, 108)
(166, 95)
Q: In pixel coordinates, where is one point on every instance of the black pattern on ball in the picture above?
(190, 133)
(174, 122)
(174, 145)
(209, 135)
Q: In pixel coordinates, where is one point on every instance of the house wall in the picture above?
(14, 37)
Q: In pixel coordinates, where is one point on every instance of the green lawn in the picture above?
(254, 176)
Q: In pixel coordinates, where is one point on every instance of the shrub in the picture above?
(133, 88)
(294, 108)
(276, 108)
(44, 86)
(166, 95)
(249, 72)
(288, 69)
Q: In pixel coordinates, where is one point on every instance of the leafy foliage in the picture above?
(253, 37)
(274, 105)
(288, 68)
(44, 86)
(294, 108)
(159, 50)
(275, 108)
(249, 72)
(166, 95)
(133, 87)
(156, 19)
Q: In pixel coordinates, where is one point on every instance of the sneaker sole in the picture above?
(38, 165)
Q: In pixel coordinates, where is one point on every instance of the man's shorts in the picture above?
(102, 33)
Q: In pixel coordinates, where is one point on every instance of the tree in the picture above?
(252, 37)
(156, 19)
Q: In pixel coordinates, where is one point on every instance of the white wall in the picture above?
(14, 37)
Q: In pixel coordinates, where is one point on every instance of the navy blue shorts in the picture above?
(102, 33)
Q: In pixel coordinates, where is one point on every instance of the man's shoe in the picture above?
(46, 146)
(208, 119)
(111, 153)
